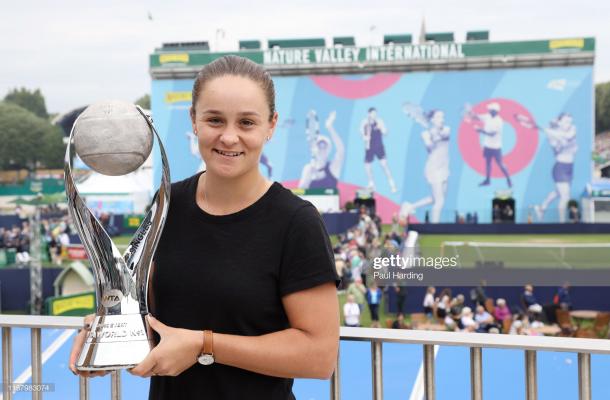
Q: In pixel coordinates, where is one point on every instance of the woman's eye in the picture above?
(247, 122)
(214, 121)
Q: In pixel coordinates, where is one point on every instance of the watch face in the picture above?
(206, 359)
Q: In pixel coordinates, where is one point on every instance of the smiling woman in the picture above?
(243, 281)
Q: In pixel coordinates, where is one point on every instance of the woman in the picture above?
(244, 268)
(373, 299)
(436, 171)
(561, 135)
(320, 173)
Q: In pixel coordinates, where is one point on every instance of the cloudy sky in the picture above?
(79, 51)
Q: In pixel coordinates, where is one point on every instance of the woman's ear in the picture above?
(192, 115)
(272, 125)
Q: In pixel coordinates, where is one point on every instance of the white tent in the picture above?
(123, 194)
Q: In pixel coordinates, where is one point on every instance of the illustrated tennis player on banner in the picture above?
(372, 129)
(561, 135)
(436, 140)
(321, 172)
(491, 130)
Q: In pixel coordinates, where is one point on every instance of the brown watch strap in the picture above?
(208, 342)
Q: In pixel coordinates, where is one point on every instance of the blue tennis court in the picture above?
(503, 373)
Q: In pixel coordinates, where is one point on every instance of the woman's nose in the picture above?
(229, 137)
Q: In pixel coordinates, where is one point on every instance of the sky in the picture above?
(78, 52)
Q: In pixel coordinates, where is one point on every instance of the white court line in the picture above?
(417, 393)
(52, 349)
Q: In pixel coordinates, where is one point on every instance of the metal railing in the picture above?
(428, 339)
(475, 342)
(36, 324)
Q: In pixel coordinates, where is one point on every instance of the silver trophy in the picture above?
(119, 336)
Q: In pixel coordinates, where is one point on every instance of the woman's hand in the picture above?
(177, 351)
(77, 345)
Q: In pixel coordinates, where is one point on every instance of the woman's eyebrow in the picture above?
(241, 113)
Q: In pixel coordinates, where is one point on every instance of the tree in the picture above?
(602, 107)
(144, 102)
(32, 101)
(27, 140)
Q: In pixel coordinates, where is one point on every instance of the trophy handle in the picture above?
(141, 249)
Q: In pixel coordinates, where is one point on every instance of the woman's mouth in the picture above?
(228, 153)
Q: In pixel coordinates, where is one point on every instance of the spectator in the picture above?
(562, 298)
(401, 297)
(501, 311)
(351, 312)
(466, 322)
(529, 301)
(478, 295)
(358, 291)
(483, 319)
(399, 323)
(443, 303)
(520, 325)
(429, 301)
(373, 298)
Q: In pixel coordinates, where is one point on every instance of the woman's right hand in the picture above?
(77, 345)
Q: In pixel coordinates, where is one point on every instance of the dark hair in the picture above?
(372, 109)
(236, 66)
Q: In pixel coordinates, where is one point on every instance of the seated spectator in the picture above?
(457, 305)
(484, 320)
(351, 312)
(443, 304)
(501, 311)
(429, 301)
(466, 322)
(399, 323)
(529, 300)
(373, 298)
(520, 325)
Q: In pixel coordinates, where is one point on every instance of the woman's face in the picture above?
(320, 150)
(231, 121)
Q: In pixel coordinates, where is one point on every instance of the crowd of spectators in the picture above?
(471, 312)
(55, 231)
(353, 253)
(17, 238)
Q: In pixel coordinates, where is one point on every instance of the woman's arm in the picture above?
(308, 349)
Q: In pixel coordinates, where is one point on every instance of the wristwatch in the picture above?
(207, 353)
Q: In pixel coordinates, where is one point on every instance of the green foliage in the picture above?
(27, 140)
(602, 107)
(30, 100)
(144, 102)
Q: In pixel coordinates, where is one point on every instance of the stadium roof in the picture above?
(310, 56)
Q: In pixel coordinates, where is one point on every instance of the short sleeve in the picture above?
(307, 256)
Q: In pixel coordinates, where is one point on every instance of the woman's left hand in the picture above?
(177, 351)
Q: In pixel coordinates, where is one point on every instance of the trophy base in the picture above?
(115, 342)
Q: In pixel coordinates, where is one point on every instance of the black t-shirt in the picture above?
(228, 274)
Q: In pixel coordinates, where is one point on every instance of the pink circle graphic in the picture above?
(355, 88)
(526, 141)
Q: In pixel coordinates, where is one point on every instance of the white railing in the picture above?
(476, 342)
(428, 339)
(36, 323)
